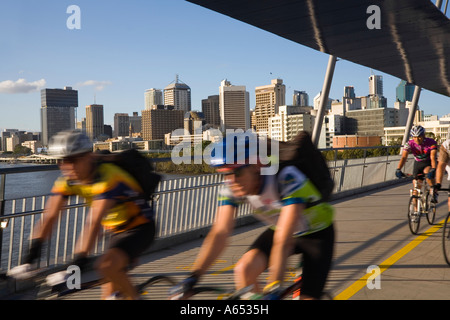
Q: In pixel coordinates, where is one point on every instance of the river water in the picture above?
(21, 185)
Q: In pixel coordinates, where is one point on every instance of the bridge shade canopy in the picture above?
(408, 39)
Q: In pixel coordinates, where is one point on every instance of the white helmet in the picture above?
(69, 143)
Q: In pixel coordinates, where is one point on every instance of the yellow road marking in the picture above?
(223, 270)
(386, 264)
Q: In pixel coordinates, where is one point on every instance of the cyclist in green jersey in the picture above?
(280, 200)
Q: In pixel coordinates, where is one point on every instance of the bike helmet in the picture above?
(417, 131)
(69, 143)
(235, 150)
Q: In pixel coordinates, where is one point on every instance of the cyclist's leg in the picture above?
(317, 249)
(125, 247)
(254, 261)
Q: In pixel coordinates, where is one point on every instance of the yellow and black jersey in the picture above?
(111, 182)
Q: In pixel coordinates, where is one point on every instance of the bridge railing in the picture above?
(183, 206)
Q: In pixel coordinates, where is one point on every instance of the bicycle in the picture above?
(45, 291)
(292, 291)
(446, 234)
(420, 203)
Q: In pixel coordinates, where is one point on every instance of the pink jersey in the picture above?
(421, 152)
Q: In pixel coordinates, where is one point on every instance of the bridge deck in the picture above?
(371, 229)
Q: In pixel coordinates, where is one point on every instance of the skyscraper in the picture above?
(160, 120)
(211, 110)
(58, 111)
(121, 124)
(178, 94)
(153, 97)
(376, 85)
(300, 98)
(404, 91)
(234, 106)
(94, 121)
(268, 99)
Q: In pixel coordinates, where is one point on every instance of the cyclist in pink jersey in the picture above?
(424, 151)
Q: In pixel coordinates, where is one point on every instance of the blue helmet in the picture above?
(417, 131)
(235, 150)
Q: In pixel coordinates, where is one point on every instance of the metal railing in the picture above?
(182, 205)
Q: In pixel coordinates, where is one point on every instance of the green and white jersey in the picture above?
(290, 186)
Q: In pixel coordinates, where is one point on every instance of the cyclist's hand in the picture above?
(399, 174)
(272, 291)
(431, 173)
(437, 186)
(178, 291)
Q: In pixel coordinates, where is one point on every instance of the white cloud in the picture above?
(21, 86)
(99, 85)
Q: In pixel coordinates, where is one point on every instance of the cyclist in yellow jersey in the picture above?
(113, 197)
(281, 201)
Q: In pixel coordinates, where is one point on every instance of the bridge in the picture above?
(371, 226)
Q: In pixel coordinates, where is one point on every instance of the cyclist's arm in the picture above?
(216, 239)
(433, 158)
(97, 210)
(443, 161)
(403, 159)
(283, 240)
(51, 212)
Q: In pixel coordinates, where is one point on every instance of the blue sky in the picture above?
(126, 47)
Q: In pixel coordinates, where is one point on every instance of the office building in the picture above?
(404, 91)
(289, 120)
(300, 98)
(268, 98)
(211, 110)
(370, 122)
(234, 106)
(121, 125)
(159, 120)
(153, 97)
(178, 94)
(135, 129)
(94, 121)
(376, 85)
(58, 111)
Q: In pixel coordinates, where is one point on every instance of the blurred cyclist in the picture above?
(281, 201)
(443, 165)
(113, 197)
(424, 151)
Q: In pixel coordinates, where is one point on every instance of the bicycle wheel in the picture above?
(446, 239)
(414, 215)
(431, 209)
(153, 280)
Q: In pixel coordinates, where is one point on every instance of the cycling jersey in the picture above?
(444, 156)
(421, 152)
(290, 186)
(110, 182)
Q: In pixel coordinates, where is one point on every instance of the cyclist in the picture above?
(443, 164)
(424, 151)
(113, 197)
(280, 201)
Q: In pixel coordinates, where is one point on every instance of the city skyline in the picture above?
(125, 48)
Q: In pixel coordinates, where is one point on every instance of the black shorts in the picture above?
(317, 250)
(134, 241)
(418, 168)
